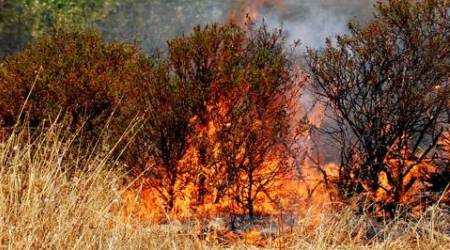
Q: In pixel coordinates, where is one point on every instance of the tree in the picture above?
(24, 21)
(242, 82)
(179, 93)
(255, 133)
(104, 89)
(164, 138)
(387, 87)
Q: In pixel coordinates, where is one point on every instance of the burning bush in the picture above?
(387, 87)
(229, 138)
(163, 140)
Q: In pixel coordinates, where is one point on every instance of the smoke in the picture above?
(155, 21)
(312, 21)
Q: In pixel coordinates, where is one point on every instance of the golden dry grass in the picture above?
(44, 206)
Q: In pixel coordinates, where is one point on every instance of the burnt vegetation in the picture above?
(235, 86)
(218, 113)
(387, 88)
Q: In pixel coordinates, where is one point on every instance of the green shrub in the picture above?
(23, 21)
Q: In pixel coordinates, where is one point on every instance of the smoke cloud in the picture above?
(155, 21)
(311, 21)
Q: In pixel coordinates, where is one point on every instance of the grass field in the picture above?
(44, 206)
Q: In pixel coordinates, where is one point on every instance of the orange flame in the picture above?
(292, 195)
(250, 9)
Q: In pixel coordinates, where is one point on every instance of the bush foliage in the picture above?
(387, 86)
(23, 21)
(74, 74)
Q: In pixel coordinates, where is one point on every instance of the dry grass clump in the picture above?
(45, 203)
(345, 230)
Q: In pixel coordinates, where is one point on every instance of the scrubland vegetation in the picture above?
(209, 144)
(46, 204)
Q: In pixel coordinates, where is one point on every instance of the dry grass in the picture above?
(44, 206)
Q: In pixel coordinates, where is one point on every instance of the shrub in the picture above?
(74, 74)
(387, 87)
(237, 81)
(162, 140)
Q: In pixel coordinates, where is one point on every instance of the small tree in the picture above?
(244, 130)
(163, 139)
(255, 133)
(179, 92)
(387, 87)
(99, 86)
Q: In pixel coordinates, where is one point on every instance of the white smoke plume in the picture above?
(312, 21)
(155, 21)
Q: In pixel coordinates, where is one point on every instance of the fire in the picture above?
(254, 237)
(316, 117)
(290, 195)
(251, 9)
(306, 189)
(295, 194)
